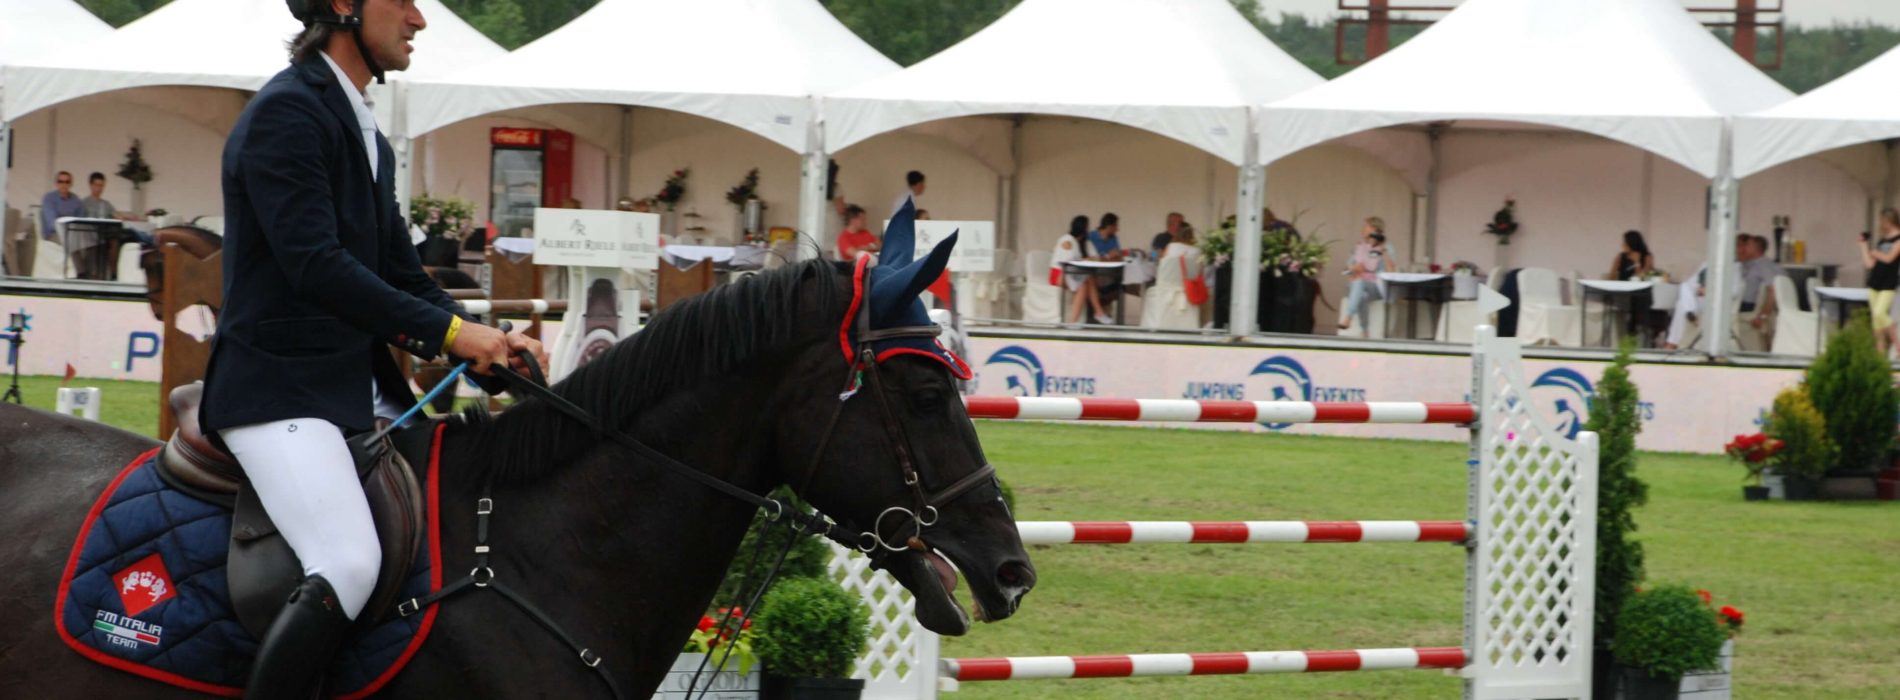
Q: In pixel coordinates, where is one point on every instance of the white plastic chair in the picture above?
(50, 260)
(1042, 302)
(1165, 305)
(1794, 328)
(1460, 317)
(1542, 316)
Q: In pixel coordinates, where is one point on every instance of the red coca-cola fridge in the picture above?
(527, 168)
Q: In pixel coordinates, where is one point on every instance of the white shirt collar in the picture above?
(365, 119)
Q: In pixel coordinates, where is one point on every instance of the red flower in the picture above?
(1706, 598)
(1734, 616)
(706, 623)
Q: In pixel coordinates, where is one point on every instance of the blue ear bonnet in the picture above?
(895, 282)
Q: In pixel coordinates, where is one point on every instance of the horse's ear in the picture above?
(900, 237)
(892, 294)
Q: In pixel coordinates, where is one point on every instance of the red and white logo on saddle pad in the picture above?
(143, 585)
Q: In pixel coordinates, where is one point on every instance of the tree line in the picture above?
(909, 31)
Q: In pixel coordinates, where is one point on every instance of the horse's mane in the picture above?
(700, 338)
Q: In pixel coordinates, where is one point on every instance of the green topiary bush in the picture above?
(1668, 631)
(811, 628)
(1614, 419)
(1852, 386)
(1806, 451)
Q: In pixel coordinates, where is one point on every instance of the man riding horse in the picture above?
(319, 279)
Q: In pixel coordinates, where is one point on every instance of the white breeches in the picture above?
(302, 472)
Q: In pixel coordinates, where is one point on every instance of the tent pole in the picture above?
(402, 146)
(6, 164)
(1013, 239)
(624, 186)
(1436, 133)
(1246, 262)
(812, 176)
(1721, 266)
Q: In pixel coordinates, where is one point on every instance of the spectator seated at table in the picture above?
(1070, 248)
(855, 240)
(1633, 262)
(1754, 292)
(1368, 260)
(1103, 243)
(1161, 240)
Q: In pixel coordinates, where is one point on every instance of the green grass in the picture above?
(1820, 582)
(124, 404)
(1817, 580)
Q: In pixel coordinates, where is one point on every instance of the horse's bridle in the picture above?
(872, 542)
(864, 364)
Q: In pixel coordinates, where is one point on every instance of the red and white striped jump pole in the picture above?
(1028, 667)
(1190, 411)
(1255, 531)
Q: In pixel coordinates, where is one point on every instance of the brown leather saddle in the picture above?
(262, 570)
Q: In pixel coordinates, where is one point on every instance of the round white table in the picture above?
(1621, 295)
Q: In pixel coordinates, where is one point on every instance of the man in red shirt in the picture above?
(855, 239)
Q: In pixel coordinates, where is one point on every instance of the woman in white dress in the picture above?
(1167, 303)
(1070, 248)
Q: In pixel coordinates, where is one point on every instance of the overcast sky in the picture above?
(1802, 12)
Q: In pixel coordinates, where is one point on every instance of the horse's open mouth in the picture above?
(932, 580)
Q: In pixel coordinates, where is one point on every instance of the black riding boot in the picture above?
(301, 641)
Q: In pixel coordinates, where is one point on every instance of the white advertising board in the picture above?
(597, 238)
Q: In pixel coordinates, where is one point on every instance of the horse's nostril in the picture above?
(1015, 574)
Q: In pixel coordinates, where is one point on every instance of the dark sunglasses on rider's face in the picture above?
(63, 182)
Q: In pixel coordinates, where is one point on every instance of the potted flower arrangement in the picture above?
(1662, 634)
(1464, 268)
(675, 188)
(745, 197)
(811, 632)
(719, 653)
(1806, 450)
(1753, 452)
(1288, 264)
(444, 222)
(1504, 222)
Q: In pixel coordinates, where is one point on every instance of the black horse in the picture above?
(739, 382)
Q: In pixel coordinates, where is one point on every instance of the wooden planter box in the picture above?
(725, 686)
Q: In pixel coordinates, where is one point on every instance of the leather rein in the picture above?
(922, 513)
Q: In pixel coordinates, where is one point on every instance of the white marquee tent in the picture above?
(35, 27)
(751, 64)
(1853, 109)
(156, 62)
(164, 48)
(1642, 72)
(40, 26)
(1185, 69)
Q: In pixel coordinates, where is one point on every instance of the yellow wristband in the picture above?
(455, 326)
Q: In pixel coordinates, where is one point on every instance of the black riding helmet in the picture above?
(318, 12)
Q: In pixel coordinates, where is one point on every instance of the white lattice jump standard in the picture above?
(1192, 411)
(1244, 532)
(1010, 668)
(1528, 540)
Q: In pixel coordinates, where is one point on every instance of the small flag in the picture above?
(70, 373)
